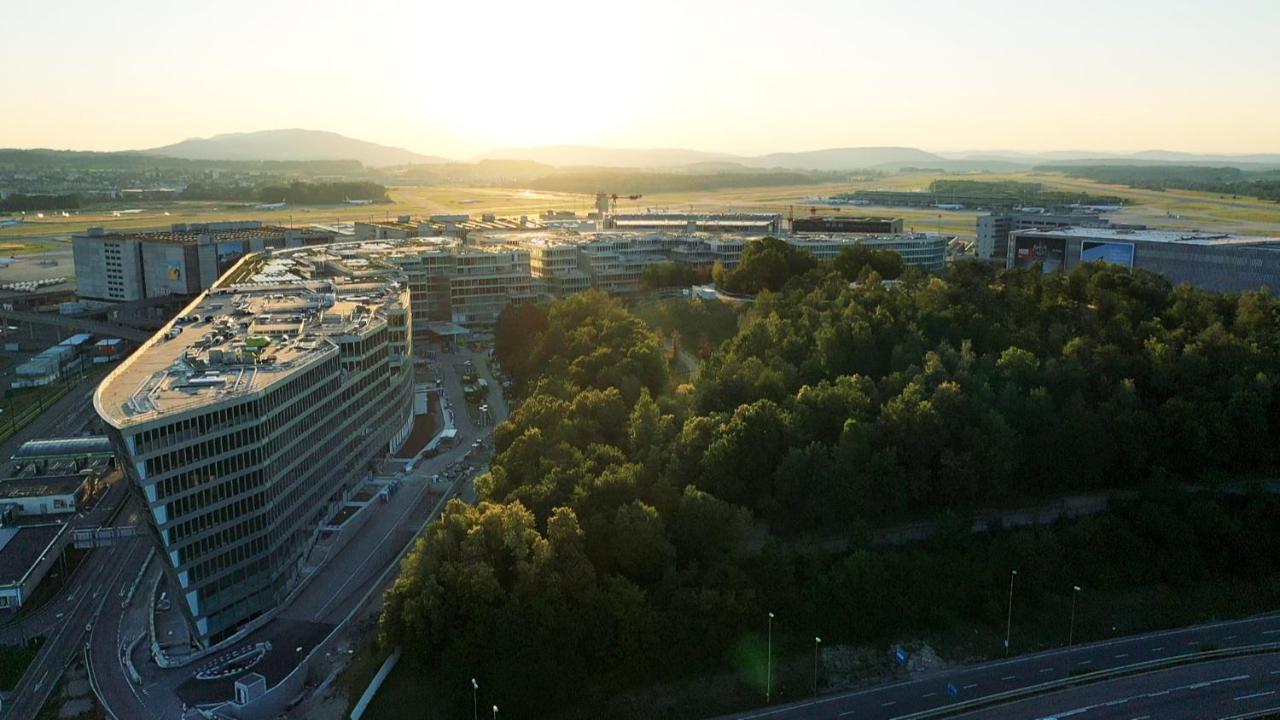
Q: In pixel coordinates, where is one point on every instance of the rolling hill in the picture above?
(291, 145)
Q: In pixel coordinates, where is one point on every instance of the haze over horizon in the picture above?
(729, 77)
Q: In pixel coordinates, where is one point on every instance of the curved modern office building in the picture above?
(246, 422)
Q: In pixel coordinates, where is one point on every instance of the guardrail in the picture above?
(1096, 676)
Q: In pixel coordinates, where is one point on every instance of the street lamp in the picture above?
(1071, 634)
(1008, 628)
(768, 665)
(475, 711)
(816, 642)
(495, 712)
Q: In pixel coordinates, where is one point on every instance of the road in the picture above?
(1224, 689)
(75, 613)
(931, 690)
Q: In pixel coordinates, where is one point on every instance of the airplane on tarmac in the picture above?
(349, 201)
(11, 221)
(269, 206)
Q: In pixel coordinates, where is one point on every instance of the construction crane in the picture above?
(607, 203)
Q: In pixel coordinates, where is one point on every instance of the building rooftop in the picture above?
(44, 486)
(191, 233)
(63, 447)
(1165, 236)
(269, 317)
(22, 547)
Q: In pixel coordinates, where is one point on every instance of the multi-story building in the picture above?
(455, 282)
(994, 229)
(1222, 262)
(836, 224)
(749, 223)
(246, 423)
(183, 260)
(402, 228)
(554, 263)
(927, 251)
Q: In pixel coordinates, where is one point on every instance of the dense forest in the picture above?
(18, 202)
(635, 532)
(1019, 193)
(295, 193)
(631, 181)
(1264, 184)
(87, 161)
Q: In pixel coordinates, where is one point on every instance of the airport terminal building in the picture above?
(1219, 262)
(181, 260)
(245, 424)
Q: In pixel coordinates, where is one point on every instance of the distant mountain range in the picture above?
(666, 158)
(291, 145)
(300, 145)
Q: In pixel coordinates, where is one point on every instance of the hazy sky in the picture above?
(747, 76)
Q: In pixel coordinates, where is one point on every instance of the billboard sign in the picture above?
(228, 254)
(1115, 253)
(1049, 253)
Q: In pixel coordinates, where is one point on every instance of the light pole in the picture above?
(1008, 627)
(495, 712)
(768, 665)
(816, 642)
(1071, 634)
(475, 711)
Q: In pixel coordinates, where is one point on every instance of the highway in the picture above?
(1220, 690)
(932, 690)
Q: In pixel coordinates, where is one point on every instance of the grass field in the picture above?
(1176, 209)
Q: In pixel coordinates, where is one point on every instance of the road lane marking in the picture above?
(1192, 642)
(1270, 632)
(1158, 649)
(929, 695)
(1085, 662)
(1275, 672)
(1009, 677)
(1045, 670)
(1120, 656)
(1229, 637)
(887, 704)
(1255, 695)
(969, 687)
(1141, 717)
(1158, 694)
(846, 713)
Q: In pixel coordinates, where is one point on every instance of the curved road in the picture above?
(932, 690)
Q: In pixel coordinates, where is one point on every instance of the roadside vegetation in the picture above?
(14, 661)
(634, 533)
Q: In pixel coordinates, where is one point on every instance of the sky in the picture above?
(739, 76)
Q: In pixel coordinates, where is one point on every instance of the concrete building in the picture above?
(246, 423)
(554, 265)
(749, 223)
(829, 224)
(402, 228)
(466, 284)
(927, 251)
(1220, 262)
(39, 495)
(27, 553)
(183, 260)
(994, 229)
